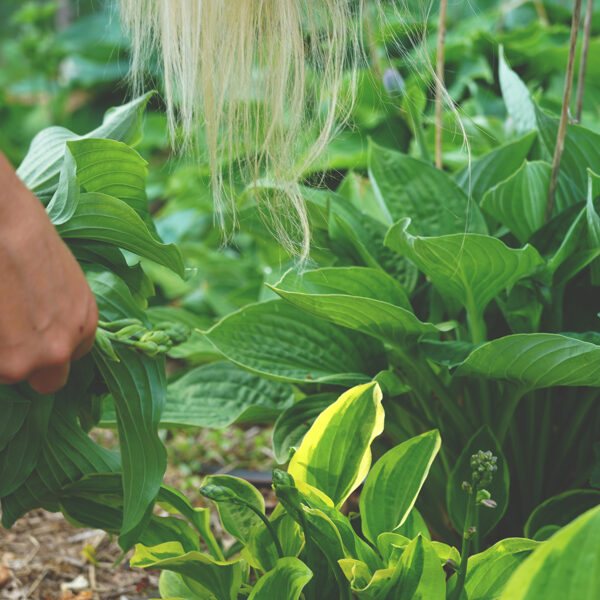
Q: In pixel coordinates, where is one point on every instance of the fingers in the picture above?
(83, 348)
(48, 380)
(89, 331)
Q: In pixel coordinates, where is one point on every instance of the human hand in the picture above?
(48, 314)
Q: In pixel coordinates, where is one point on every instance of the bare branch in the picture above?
(564, 116)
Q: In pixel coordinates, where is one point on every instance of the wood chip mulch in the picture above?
(43, 557)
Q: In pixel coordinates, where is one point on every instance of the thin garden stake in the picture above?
(587, 31)
(564, 115)
(439, 83)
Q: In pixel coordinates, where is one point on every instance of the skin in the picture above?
(48, 314)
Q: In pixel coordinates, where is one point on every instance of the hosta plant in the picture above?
(93, 187)
(308, 547)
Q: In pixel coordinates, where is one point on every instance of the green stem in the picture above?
(466, 540)
(269, 527)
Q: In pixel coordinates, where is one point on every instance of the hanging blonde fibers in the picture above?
(219, 55)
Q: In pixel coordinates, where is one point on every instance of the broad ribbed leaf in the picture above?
(536, 360)
(41, 167)
(66, 454)
(335, 454)
(137, 384)
(581, 151)
(14, 407)
(519, 202)
(565, 566)
(284, 582)
(219, 394)
(456, 497)
(29, 414)
(350, 281)
(392, 487)
(293, 423)
(203, 575)
(418, 575)
(408, 187)
(489, 571)
(471, 268)
(113, 168)
(560, 510)
(516, 97)
(171, 585)
(106, 219)
(494, 166)
(64, 201)
(237, 519)
(274, 338)
(593, 221)
(368, 314)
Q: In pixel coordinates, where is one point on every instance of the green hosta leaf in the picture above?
(137, 384)
(111, 168)
(66, 454)
(566, 566)
(418, 575)
(328, 575)
(489, 571)
(102, 485)
(64, 201)
(295, 421)
(25, 416)
(238, 519)
(519, 202)
(284, 582)
(359, 191)
(393, 484)
(349, 281)
(516, 96)
(358, 235)
(15, 407)
(260, 551)
(218, 394)
(111, 258)
(106, 219)
(293, 499)
(581, 151)
(536, 360)
(274, 338)
(560, 510)
(112, 295)
(448, 354)
(335, 454)
(593, 221)
(456, 497)
(470, 268)
(408, 187)
(172, 586)
(207, 579)
(41, 167)
(369, 315)
(414, 525)
(495, 166)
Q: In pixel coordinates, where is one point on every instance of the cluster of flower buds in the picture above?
(133, 333)
(483, 465)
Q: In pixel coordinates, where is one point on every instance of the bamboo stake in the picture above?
(439, 83)
(587, 32)
(564, 115)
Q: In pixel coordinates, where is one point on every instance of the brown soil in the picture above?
(43, 557)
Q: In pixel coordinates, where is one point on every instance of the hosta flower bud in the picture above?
(218, 493)
(393, 82)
